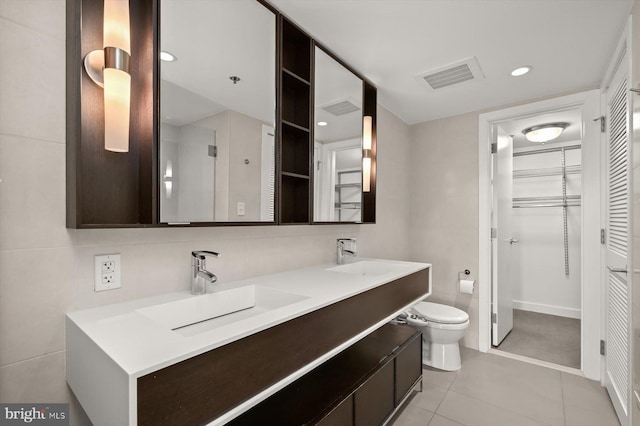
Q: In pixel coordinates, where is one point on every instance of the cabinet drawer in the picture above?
(342, 415)
(408, 367)
(374, 399)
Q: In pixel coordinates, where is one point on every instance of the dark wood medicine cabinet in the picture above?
(121, 190)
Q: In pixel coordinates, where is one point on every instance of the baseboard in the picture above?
(547, 309)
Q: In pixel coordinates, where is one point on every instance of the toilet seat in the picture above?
(441, 314)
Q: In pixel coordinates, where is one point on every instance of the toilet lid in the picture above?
(441, 313)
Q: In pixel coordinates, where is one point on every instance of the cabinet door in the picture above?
(408, 368)
(342, 415)
(374, 399)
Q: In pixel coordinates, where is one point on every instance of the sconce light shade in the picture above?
(367, 131)
(544, 132)
(109, 69)
(366, 174)
(117, 80)
(367, 125)
(116, 30)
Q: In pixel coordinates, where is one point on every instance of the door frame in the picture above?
(623, 51)
(588, 103)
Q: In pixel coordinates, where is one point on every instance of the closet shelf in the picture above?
(552, 171)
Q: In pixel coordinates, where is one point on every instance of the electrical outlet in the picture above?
(241, 210)
(107, 272)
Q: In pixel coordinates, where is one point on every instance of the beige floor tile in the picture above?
(430, 397)
(437, 420)
(586, 403)
(440, 378)
(531, 390)
(474, 412)
(411, 415)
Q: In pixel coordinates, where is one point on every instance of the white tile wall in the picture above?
(46, 270)
(443, 220)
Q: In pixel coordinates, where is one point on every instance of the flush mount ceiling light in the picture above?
(544, 132)
(521, 71)
(167, 57)
(109, 68)
(322, 123)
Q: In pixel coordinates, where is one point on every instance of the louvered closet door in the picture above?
(618, 328)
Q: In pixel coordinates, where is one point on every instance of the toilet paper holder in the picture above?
(466, 272)
(465, 285)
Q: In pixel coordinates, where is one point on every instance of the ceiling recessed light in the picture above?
(322, 123)
(167, 57)
(521, 71)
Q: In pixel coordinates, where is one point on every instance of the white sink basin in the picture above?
(197, 314)
(367, 267)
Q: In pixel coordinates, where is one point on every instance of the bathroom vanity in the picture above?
(182, 359)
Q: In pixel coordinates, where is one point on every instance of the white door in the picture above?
(618, 325)
(502, 244)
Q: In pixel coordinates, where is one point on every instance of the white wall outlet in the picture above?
(107, 272)
(241, 211)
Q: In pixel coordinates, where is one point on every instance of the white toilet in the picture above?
(442, 327)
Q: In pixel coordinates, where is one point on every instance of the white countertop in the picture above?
(139, 345)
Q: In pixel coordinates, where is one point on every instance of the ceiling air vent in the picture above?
(341, 107)
(456, 73)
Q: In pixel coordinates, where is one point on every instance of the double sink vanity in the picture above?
(278, 131)
(206, 359)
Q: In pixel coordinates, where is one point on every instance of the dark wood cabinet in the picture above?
(362, 385)
(117, 190)
(408, 365)
(295, 125)
(373, 401)
(342, 415)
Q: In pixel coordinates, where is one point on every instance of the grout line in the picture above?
(564, 406)
(35, 29)
(12, 364)
(63, 143)
(507, 410)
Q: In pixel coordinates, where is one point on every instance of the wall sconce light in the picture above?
(109, 68)
(544, 132)
(367, 130)
(168, 179)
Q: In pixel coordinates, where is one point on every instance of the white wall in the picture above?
(186, 149)
(540, 283)
(46, 270)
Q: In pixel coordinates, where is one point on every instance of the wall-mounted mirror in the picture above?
(337, 152)
(217, 111)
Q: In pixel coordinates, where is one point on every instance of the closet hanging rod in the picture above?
(545, 150)
(525, 206)
(549, 198)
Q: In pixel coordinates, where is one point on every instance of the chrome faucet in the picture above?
(199, 274)
(342, 251)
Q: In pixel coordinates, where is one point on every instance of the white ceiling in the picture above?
(568, 42)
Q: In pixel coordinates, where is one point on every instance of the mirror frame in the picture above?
(116, 190)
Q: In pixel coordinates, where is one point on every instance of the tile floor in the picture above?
(545, 337)
(491, 390)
